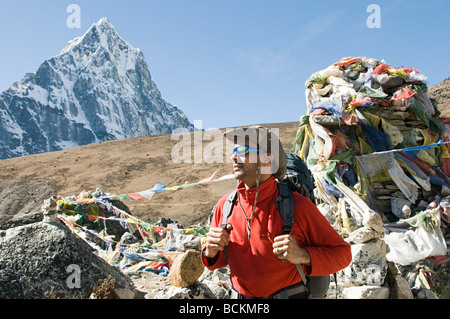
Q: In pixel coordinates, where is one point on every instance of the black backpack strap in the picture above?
(301, 273)
(226, 212)
(285, 205)
(228, 207)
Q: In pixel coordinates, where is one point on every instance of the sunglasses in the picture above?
(243, 150)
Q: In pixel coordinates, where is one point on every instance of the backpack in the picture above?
(298, 176)
(298, 179)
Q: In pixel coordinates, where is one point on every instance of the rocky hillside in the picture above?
(441, 93)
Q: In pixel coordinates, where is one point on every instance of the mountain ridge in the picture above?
(97, 88)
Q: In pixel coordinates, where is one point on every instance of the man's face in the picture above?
(245, 167)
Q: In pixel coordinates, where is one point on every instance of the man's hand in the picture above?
(216, 240)
(286, 247)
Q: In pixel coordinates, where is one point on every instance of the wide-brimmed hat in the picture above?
(266, 141)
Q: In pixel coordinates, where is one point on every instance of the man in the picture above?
(261, 260)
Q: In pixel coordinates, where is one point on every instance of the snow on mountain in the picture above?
(97, 88)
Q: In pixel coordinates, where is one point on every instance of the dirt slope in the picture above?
(121, 167)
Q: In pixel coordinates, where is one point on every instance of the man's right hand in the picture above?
(216, 240)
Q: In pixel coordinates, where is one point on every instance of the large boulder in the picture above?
(45, 260)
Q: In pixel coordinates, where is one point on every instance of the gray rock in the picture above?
(49, 210)
(218, 281)
(368, 266)
(40, 258)
(196, 291)
(374, 221)
(400, 288)
(401, 207)
(366, 292)
(219, 292)
(363, 234)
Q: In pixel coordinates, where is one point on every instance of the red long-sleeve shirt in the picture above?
(255, 270)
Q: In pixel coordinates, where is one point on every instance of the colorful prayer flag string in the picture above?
(160, 187)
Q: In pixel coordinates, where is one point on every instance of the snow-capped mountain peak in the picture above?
(101, 33)
(97, 88)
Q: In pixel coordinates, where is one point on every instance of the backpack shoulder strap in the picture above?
(226, 212)
(285, 205)
(228, 207)
(301, 273)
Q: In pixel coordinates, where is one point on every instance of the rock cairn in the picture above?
(375, 144)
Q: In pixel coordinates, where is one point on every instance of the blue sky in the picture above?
(235, 62)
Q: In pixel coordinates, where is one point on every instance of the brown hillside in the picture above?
(441, 93)
(120, 167)
(132, 165)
